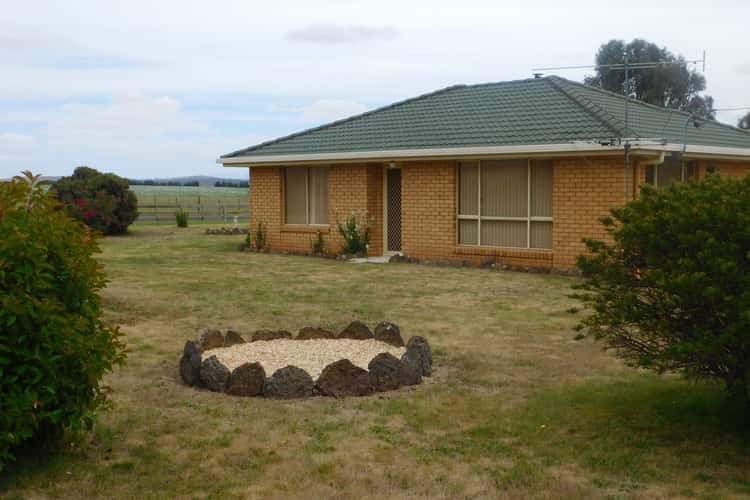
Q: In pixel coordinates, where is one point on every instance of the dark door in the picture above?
(393, 188)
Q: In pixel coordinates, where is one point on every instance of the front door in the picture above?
(393, 209)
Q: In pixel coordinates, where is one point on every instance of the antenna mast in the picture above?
(627, 66)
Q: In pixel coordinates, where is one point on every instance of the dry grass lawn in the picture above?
(517, 408)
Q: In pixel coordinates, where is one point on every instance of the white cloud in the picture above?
(11, 138)
(333, 33)
(326, 110)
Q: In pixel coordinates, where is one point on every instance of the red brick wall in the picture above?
(584, 189)
(355, 187)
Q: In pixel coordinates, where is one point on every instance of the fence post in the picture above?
(200, 208)
(156, 212)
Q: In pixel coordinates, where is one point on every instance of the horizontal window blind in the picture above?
(505, 203)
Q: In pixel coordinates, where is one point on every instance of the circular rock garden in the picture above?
(273, 363)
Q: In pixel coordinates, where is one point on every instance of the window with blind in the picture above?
(505, 203)
(306, 195)
(671, 170)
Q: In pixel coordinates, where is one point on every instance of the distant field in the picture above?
(159, 203)
(191, 191)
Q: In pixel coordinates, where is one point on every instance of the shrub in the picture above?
(670, 290)
(318, 244)
(356, 233)
(54, 347)
(181, 217)
(259, 237)
(102, 201)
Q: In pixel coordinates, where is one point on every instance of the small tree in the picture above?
(181, 218)
(54, 346)
(671, 290)
(102, 201)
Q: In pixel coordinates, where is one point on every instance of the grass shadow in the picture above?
(643, 430)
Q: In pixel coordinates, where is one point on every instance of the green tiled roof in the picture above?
(549, 110)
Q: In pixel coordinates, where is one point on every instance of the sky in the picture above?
(161, 88)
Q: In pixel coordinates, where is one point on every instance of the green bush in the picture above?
(181, 217)
(54, 347)
(102, 201)
(318, 244)
(670, 290)
(355, 232)
(259, 237)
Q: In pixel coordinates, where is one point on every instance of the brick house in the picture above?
(517, 172)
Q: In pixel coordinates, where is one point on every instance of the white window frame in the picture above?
(307, 200)
(479, 217)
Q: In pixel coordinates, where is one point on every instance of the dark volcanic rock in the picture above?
(356, 330)
(233, 338)
(211, 339)
(418, 355)
(270, 335)
(342, 378)
(389, 333)
(214, 374)
(247, 380)
(190, 364)
(387, 372)
(289, 382)
(310, 332)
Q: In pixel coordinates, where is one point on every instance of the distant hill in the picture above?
(202, 180)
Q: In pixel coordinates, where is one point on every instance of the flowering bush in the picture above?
(356, 233)
(102, 201)
(54, 347)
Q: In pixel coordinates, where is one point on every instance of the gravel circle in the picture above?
(310, 355)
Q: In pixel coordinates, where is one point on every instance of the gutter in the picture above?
(536, 150)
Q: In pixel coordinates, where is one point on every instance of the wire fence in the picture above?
(216, 209)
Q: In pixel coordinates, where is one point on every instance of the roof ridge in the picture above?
(344, 120)
(598, 112)
(643, 103)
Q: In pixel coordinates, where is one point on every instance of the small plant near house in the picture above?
(259, 237)
(356, 233)
(318, 244)
(670, 291)
(181, 218)
(54, 346)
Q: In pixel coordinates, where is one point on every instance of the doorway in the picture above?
(393, 210)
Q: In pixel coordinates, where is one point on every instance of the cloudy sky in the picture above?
(161, 88)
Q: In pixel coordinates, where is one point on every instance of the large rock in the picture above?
(270, 335)
(233, 338)
(247, 379)
(214, 374)
(389, 333)
(310, 332)
(387, 372)
(418, 355)
(289, 382)
(190, 363)
(410, 375)
(356, 330)
(342, 378)
(211, 339)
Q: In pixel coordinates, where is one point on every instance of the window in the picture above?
(670, 171)
(306, 195)
(505, 203)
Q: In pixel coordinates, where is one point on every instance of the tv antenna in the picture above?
(627, 66)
